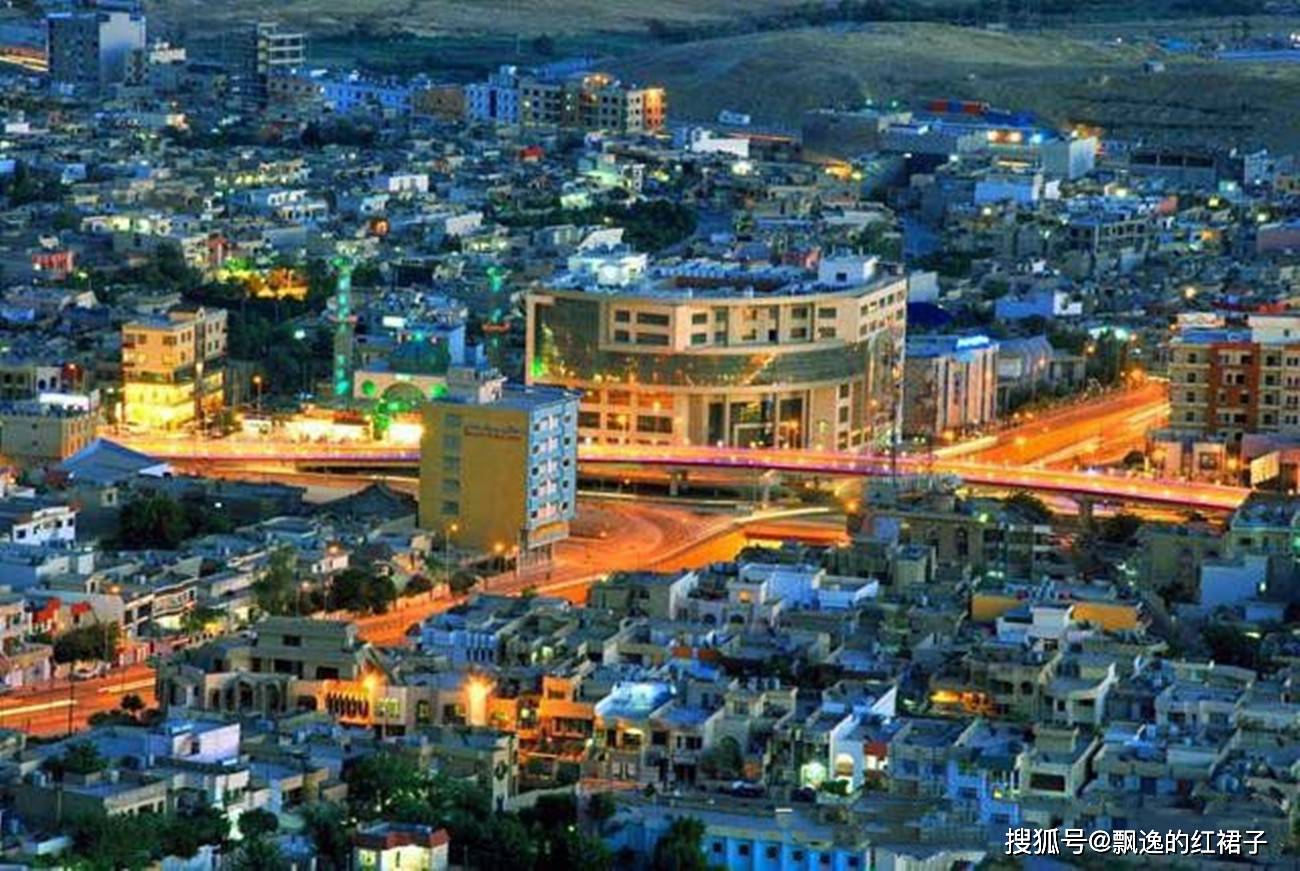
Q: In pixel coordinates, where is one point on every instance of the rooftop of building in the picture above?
(716, 280)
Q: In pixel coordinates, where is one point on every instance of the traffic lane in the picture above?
(44, 709)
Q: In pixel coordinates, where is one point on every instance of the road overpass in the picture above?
(1093, 484)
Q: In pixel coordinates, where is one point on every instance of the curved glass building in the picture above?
(705, 353)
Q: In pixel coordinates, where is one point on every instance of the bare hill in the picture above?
(526, 17)
(1063, 77)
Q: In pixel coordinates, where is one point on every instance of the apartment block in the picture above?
(593, 101)
(498, 465)
(172, 368)
(950, 385)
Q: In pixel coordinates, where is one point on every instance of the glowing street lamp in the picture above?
(452, 529)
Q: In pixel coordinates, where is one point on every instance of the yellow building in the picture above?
(498, 465)
(172, 372)
(33, 433)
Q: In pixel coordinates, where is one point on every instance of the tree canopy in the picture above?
(157, 521)
(387, 785)
(95, 642)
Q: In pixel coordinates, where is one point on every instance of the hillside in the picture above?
(755, 61)
(1065, 78)
(432, 17)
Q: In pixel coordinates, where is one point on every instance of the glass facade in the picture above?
(566, 341)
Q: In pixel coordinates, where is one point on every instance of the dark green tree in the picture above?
(377, 780)
(79, 757)
(1120, 528)
(109, 844)
(418, 584)
(257, 823)
(572, 848)
(681, 847)
(275, 591)
(152, 521)
(1029, 506)
(132, 704)
(183, 833)
(327, 826)
(197, 620)
(258, 855)
(601, 808)
(544, 44)
(95, 642)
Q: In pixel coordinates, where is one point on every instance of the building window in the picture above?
(650, 319)
(622, 316)
(450, 509)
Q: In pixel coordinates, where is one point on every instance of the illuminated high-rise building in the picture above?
(172, 368)
(498, 465)
(708, 353)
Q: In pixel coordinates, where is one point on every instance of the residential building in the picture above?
(591, 101)
(950, 385)
(388, 846)
(34, 433)
(1230, 380)
(89, 48)
(496, 99)
(266, 50)
(36, 521)
(498, 465)
(172, 368)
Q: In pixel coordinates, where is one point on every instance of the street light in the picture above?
(452, 529)
(257, 385)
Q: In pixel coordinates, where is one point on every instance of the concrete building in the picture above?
(89, 49)
(172, 372)
(950, 384)
(35, 521)
(1231, 381)
(710, 354)
(33, 433)
(388, 846)
(498, 465)
(289, 664)
(495, 100)
(591, 101)
(267, 50)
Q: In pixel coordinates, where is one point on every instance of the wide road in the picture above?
(619, 536)
(44, 710)
(1096, 431)
(1007, 469)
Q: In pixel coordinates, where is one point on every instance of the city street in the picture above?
(1042, 454)
(1096, 431)
(613, 536)
(44, 710)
